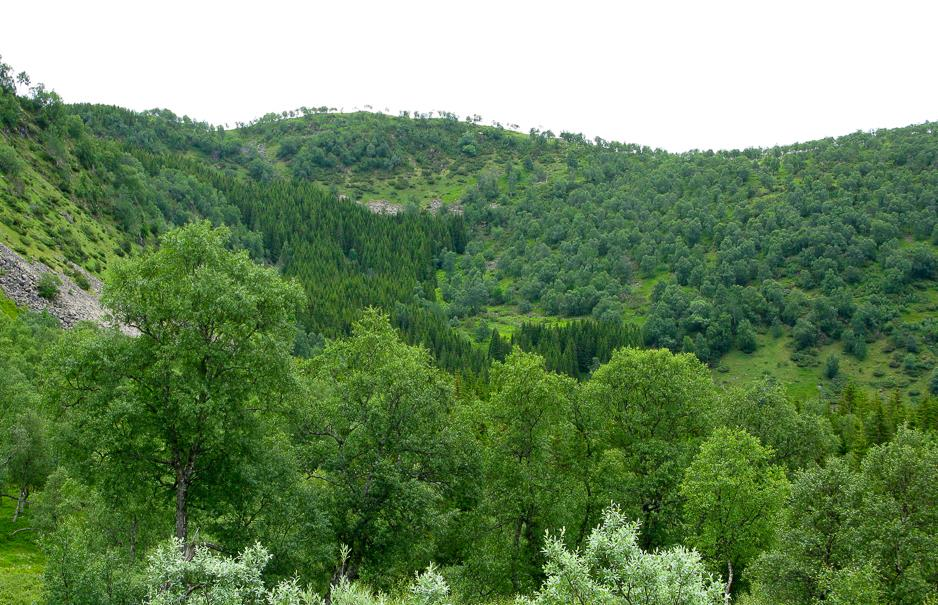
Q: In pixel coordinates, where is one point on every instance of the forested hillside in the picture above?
(364, 359)
(804, 261)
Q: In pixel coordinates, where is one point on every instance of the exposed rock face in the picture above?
(435, 206)
(384, 207)
(19, 280)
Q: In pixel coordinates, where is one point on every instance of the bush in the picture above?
(804, 334)
(81, 281)
(48, 286)
(910, 364)
(612, 558)
(832, 367)
(10, 163)
(206, 577)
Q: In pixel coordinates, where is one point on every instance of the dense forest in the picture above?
(815, 262)
(514, 380)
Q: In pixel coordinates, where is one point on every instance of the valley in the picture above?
(363, 359)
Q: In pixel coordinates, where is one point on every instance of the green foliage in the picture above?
(796, 438)
(745, 337)
(205, 578)
(8, 308)
(648, 410)
(802, 261)
(11, 165)
(21, 561)
(48, 286)
(750, 238)
(184, 399)
(831, 237)
(575, 348)
(526, 490)
(732, 495)
(612, 569)
(868, 532)
(832, 367)
(82, 570)
(374, 431)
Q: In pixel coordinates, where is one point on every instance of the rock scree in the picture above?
(19, 280)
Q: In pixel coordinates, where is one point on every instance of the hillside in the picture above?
(760, 261)
(815, 262)
(424, 361)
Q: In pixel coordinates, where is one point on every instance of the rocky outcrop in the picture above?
(384, 207)
(19, 280)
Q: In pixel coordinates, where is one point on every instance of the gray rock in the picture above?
(19, 280)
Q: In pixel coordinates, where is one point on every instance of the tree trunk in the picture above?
(182, 520)
(20, 503)
(729, 583)
(133, 540)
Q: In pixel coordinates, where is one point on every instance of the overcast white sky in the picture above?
(677, 75)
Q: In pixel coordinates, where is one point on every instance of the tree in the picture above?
(873, 529)
(613, 569)
(814, 539)
(525, 489)
(25, 456)
(796, 438)
(178, 408)
(25, 459)
(745, 337)
(374, 432)
(652, 407)
(498, 348)
(897, 520)
(732, 494)
(804, 334)
(832, 366)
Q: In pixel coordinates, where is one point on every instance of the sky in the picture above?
(667, 74)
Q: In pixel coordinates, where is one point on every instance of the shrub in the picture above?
(10, 163)
(612, 558)
(81, 281)
(48, 286)
(832, 367)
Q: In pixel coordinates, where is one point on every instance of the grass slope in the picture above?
(21, 561)
(40, 221)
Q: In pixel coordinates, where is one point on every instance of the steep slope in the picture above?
(813, 262)
(22, 283)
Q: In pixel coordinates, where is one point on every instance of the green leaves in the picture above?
(649, 409)
(868, 532)
(178, 405)
(374, 432)
(612, 569)
(526, 486)
(732, 496)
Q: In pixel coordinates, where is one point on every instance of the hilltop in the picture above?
(814, 263)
